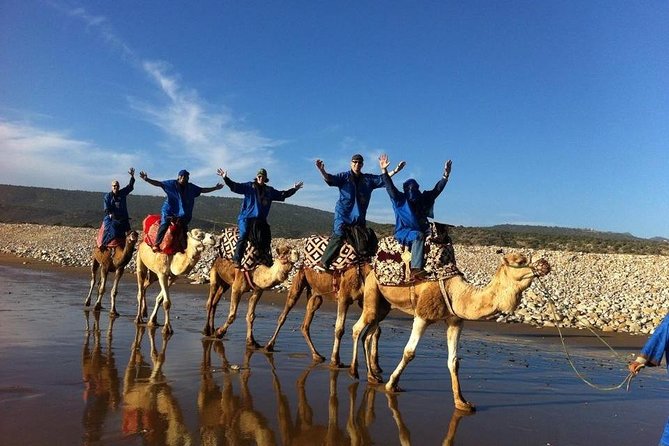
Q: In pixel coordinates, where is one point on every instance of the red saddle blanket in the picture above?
(118, 242)
(174, 240)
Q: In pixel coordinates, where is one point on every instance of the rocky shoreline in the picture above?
(610, 292)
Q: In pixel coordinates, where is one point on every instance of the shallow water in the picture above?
(70, 376)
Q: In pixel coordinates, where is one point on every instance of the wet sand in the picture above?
(70, 376)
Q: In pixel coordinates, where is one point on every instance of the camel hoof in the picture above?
(114, 314)
(394, 388)
(465, 406)
(253, 345)
(338, 365)
(269, 348)
(97, 308)
(220, 333)
(167, 330)
(353, 373)
(139, 320)
(374, 379)
(317, 358)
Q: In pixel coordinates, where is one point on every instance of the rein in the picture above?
(626, 382)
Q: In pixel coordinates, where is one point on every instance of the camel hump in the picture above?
(314, 246)
(392, 267)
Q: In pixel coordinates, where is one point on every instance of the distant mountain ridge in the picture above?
(22, 204)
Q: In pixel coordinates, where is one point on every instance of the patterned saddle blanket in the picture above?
(314, 247)
(174, 240)
(229, 237)
(392, 261)
(118, 242)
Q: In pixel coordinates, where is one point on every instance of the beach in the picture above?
(70, 375)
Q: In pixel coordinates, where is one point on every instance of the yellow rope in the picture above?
(551, 302)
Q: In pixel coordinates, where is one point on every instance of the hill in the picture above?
(20, 204)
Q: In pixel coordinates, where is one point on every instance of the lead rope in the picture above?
(626, 382)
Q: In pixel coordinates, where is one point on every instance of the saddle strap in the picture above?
(249, 280)
(447, 299)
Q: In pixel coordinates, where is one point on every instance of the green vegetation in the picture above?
(20, 204)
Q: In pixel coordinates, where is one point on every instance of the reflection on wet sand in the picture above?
(225, 417)
(226, 411)
(100, 377)
(229, 418)
(403, 431)
(150, 410)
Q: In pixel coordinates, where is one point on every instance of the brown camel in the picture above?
(452, 300)
(224, 275)
(152, 266)
(344, 288)
(110, 260)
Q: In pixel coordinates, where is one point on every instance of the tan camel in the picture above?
(152, 266)
(110, 260)
(452, 300)
(349, 288)
(224, 275)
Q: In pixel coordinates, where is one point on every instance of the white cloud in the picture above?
(36, 157)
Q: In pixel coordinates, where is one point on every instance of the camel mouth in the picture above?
(541, 268)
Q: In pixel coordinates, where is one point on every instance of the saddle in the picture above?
(118, 242)
(229, 236)
(315, 245)
(175, 237)
(392, 261)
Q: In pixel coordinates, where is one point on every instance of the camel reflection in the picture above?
(150, 409)
(403, 431)
(101, 379)
(226, 418)
(232, 419)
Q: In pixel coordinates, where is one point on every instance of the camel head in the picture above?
(287, 254)
(518, 268)
(201, 239)
(131, 237)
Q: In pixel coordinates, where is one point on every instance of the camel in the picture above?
(452, 300)
(224, 275)
(115, 261)
(152, 266)
(348, 289)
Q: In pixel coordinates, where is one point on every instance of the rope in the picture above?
(552, 304)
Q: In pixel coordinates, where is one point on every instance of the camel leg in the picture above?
(313, 304)
(216, 289)
(251, 317)
(153, 319)
(299, 283)
(452, 338)
(101, 289)
(94, 271)
(372, 341)
(167, 304)
(419, 326)
(342, 309)
(363, 322)
(141, 273)
(114, 291)
(235, 296)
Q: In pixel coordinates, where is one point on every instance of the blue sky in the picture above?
(554, 112)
